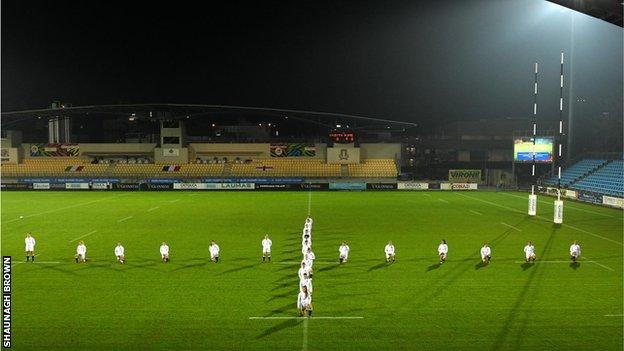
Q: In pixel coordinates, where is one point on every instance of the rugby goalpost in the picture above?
(558, 203)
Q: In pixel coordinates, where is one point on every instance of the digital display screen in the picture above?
(524, 149)
(342, 136)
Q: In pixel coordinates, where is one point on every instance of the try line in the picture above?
(306, 318)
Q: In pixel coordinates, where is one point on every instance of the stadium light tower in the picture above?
(533, 197)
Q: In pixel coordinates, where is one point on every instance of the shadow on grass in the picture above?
(434, 266)
(378, 266)
(238, 269)
(527, 265)
(189, 266)
(575, 265)
(480, 265)
(291, 306)
(328, 268)
(290, 293)
(57, 269)
(287, 284)
(289, 323)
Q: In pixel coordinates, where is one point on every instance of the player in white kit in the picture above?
(306, 282)
(214, 252)
(529, 252)
(389, 250)
(486, 253)
(29, 243)
(81, 252)
(344, 252)
(164, 252)
(304, 302)
(575, 252)
(303, 271)
(309, 258)
(442, 251)
(266, 248)
(119, 253)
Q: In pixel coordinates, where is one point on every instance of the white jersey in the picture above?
(119, 250)
(30, 243)
(81, 250)
(306, 282)
(266, 245)
(303, 270)
(304, 247)
(344, 250)
(529, 250)
(214, 250)
(485, 251)
(303, 300)
(442, 249)
(389, 249)
(306, 232)
(575, 250)
(164, 250)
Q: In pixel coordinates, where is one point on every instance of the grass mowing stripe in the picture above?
(153, 208)
(476, 212)
(304, 347)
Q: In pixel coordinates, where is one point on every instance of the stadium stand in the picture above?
(285, 168)
(608, 180)
(74, 167)
(373, 168)
(576, 171)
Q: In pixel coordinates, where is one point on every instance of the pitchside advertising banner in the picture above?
(613, 201)
(214, 186)
(567, 193)
(76, 186)
(464, 175)
(412, 186)
(381, 186)
(347, 186)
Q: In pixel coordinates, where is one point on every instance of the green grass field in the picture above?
(412, 304)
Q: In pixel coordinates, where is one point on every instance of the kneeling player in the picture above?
(529, 252)
(442, 251)
(164, 252)
(389, 250)
(486, 253)
(266, 248)
(81, 252)
(214, 252)
(344, 252)
(575, 252)
(119, 252)
(306, 282)
(304, 302)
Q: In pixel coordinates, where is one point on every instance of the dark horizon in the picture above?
(426, 62)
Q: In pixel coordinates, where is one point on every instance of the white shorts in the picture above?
(575, 254)
(483, 257)
(529, 256)
(388, 255)
(162, 255)
(441, 253)
(213, 255)
(266, 250)
(30, 247)
(344, 257)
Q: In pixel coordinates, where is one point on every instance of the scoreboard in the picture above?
(342, 136)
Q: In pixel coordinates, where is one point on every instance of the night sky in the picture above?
(426, 62)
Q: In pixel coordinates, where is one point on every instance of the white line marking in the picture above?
(442, 200)
(63, 208)
(614, 315)
(602, 265)
(176, 200)
(153, 208)
(511, 226)
(427, 195)
(305, 335)
(567, 206)
(590, 233)
(538, 261)
(41, 262)
(309, 202)
(540, 217)
(317, 317)
(124, 219)
(477, 213)
(80, 237)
